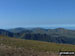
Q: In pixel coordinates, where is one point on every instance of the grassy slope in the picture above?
(18, 46)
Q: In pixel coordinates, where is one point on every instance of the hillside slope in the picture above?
(58, 35)
(20, 47)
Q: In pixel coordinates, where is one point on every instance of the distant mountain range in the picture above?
(58, 35)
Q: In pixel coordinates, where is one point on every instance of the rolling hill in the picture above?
(19, 47)
(58, 35)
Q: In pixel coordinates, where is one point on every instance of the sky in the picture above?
(37, 13)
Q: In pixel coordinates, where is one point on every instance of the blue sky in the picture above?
(37, 13)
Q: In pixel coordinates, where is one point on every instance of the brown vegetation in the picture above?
(19, 47)
(13, 51)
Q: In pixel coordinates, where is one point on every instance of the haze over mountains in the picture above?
(58, 35)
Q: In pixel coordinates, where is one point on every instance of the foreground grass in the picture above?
(20, 47)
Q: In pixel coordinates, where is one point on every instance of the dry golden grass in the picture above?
(19, 47)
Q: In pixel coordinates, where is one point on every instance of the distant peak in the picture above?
(61, 28)
(19, 28)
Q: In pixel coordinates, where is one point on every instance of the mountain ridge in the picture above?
(58, 35)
